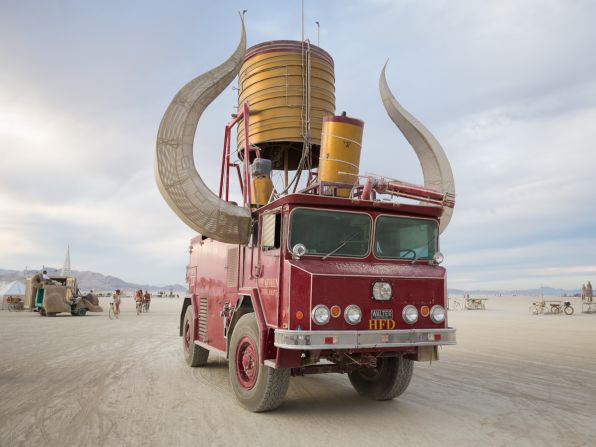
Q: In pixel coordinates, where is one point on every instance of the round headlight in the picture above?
(299, 250)
(410, 314)
(321, 314)
(438, 257)
(437, 314)
(382, 291)
(353, 314)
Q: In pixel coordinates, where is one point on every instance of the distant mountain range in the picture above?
(94, 281)
(549, 291)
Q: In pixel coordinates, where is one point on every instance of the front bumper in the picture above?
(311, 340)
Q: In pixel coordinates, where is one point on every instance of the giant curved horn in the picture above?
(177, 178)
(435, 165)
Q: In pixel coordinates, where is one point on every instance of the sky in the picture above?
(507, 87)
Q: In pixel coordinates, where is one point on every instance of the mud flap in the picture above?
(425, 354)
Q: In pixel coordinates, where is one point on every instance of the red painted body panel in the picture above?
(269, 285)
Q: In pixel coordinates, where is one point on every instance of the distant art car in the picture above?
(59, 294)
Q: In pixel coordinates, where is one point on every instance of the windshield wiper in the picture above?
(341, 245)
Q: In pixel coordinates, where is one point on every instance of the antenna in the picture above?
(318, 34)
(302, 20)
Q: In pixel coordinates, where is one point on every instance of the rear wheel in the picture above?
(569, 310)
(257, 386)
(388, 380)
(42, 312)
(82, 312)
(194, 354)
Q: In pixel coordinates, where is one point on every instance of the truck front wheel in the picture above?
(257, 387)
(194, 354)
(388, 380)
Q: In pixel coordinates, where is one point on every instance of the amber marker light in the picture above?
(299, 315)
(335, 311)
(424, 311)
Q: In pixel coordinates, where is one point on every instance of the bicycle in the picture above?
(112, 311)
(565, 307)
(139, 307)
(453, 304)
(146, 306)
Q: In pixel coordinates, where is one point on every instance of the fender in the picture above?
(191, 301)
(253, 293)
(185, 305)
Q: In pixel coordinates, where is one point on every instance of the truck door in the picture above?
(269, 264)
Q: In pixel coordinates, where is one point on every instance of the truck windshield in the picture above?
(331, 233)
(405, 238)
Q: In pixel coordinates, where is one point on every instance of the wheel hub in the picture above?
(247, 366)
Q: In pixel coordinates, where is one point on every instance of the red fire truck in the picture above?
(344, 298)
(341, 275)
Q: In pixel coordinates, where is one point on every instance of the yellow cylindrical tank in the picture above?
(261, 189)
(278, 79)
(340, 151)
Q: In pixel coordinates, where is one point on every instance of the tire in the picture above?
(138, 309)
(111, 313)
(257, 387)
(42, 312)
(569, 310)
(194, 354)
(82, 312)
(555, 309)
(390, 379)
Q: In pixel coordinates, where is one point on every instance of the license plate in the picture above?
(381, 314)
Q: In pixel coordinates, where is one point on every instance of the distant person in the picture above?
(37, 279)
(147, 300)
(46, 277)
(589, 295)
(117, 297)
(583, 292)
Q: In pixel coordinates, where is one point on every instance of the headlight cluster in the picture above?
(353, 314)
(382, 291)
(321, 314)
(437, 314)
(410, 314)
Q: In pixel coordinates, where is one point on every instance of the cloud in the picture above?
(508, 88)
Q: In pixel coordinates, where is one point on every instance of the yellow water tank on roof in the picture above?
(280, 80)
(340, 151)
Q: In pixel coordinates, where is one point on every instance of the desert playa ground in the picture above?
(513, 379)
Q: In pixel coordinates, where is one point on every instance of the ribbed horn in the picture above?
(177, 178)
(435, 165)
